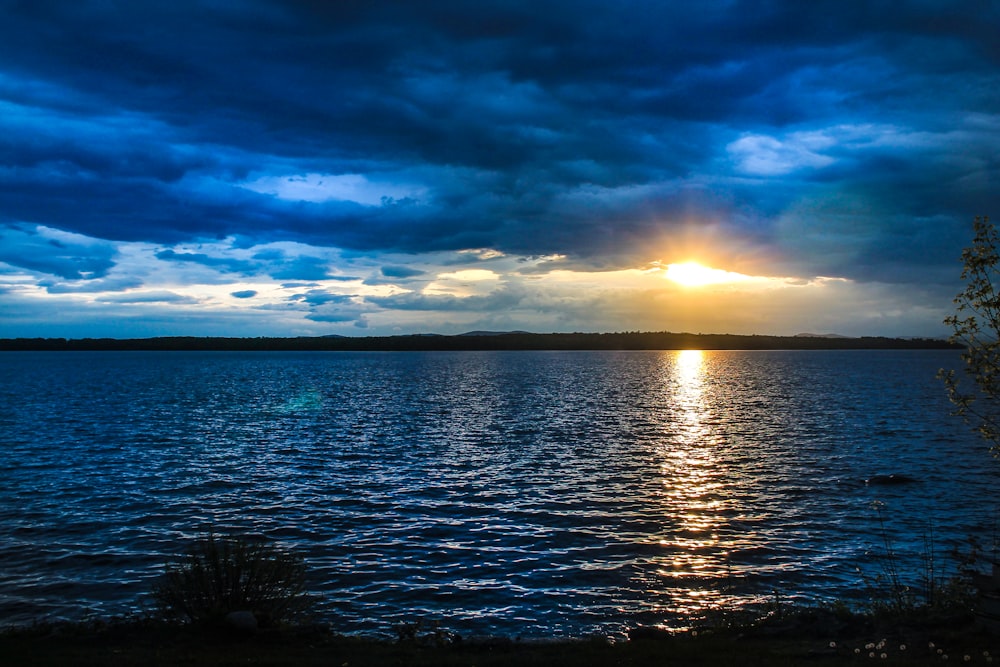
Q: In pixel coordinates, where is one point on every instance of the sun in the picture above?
(693, 274)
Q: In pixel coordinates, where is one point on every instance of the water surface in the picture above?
(516, 493)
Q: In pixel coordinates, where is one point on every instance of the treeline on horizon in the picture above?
(482, 342)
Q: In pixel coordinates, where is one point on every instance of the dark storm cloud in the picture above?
(66, 257)
(325, 306)
(400, 272)
(582, 128)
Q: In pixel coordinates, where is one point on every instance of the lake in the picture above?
(511, 493)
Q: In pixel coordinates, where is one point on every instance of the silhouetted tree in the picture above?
(976, 327)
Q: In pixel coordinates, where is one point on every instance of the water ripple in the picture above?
(510, 493)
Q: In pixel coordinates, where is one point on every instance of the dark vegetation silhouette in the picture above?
(223, 575)
(482, 341)
(976, 329)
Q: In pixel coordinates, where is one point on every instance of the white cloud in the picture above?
(761, 155)
(318, 188)
(482, 253)
(145, 295)
(765, 155)
(464, 283)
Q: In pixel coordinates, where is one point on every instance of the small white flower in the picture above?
(833, 644)
(902, 647)
(884, 656)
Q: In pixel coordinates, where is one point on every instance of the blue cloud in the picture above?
(331, 317)
(318, 297)
(301, 268)
(223, 263)
(401, 272)
(159, 296)
(244, 294)
(497, 301)
(94, 286)
(832, 138)
(506, 139)
(49, 252)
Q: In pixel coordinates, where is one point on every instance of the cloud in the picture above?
(325, 306)
(94, 286)
(401, 272)
(311, 142)
(319, 297)
(463, 283)
(318, 188)
(153, 296)
(301, 268)
(54, 252)
(244, 294)
(228, 264)
(445, 302)
(334, 316)
(766, 156)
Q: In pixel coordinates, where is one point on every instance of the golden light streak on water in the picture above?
(693, 491)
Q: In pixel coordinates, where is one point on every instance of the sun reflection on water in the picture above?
(694, 565)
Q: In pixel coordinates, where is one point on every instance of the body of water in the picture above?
(514, 493)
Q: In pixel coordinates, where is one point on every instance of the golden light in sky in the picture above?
(693, 274)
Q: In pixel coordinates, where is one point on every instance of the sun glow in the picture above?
(693, 274)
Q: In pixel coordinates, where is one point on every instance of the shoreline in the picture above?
(811, 636)
(516, 341)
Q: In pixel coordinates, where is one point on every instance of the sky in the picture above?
(294, 168)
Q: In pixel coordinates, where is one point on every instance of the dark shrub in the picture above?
(226, 574)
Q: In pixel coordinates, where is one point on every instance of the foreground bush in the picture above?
(221, 575)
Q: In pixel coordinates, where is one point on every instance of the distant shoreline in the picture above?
(480, 341)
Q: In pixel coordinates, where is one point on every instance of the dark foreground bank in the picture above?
(807, 638)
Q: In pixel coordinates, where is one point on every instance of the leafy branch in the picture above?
(976, 327)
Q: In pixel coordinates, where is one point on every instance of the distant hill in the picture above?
(484, 340)
(816, 335)
(492, 333)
